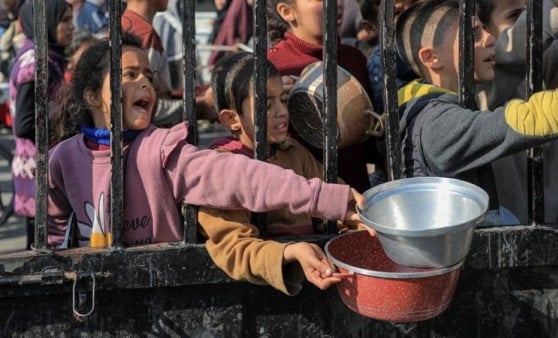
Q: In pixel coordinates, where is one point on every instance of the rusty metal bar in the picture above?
(41, 123)
(389, 48)
(534, 80)
(189, 212)
(260, 95)
(330, 97)
(466, 83)
(117, 180)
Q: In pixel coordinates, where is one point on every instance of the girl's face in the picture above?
(305, 18)
(277, 115)
(484, 54)
(504, 15)
(65, 29)
(138, 94)
(74, 58)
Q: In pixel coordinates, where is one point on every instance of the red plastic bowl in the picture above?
(382, 289)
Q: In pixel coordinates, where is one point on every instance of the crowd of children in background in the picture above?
(439, 136)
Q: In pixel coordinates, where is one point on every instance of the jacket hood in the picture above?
(413, 97)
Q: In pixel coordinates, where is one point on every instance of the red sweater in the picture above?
(291, 56)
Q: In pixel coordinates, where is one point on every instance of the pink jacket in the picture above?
(161, 171)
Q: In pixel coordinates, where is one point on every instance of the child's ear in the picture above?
(285, 11)
(91, 98)
(428, 58)
(230, 119)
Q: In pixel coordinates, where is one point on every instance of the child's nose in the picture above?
(281, 110)
(489, 40)
(144, 82)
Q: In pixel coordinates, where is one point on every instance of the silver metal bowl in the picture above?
(425, 222)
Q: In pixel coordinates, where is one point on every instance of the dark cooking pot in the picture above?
(384, 290)
(356, 119)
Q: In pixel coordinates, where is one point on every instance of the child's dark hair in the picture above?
(233, 77)
(276, 26)
(80, 38)
(88, 77)
(422, 24)
(484, 10)
(370, 11)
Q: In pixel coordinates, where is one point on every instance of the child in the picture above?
(441, 138)
(22, 98)
(80, 42)
(233, 242)
(161, 171)
(138, 20)
(507, 21)
(296, 29)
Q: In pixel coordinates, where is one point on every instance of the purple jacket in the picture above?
(23, 165)
(161, 171)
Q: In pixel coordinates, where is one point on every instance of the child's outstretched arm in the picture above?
(234, 246)
(225, 180)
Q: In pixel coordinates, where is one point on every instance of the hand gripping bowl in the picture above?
(425, 222)
(384, 290)
(356, 119)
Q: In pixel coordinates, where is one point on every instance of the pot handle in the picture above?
(376, 127)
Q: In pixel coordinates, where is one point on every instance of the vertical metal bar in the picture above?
(117, 189)
(189, 68)
(189, 72)
(330, 97)
(466, 72)
(41, 122)
(260, 94)
(534, 80)
(393, 142)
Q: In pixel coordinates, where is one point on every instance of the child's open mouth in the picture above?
(142, 104)
(282, 127)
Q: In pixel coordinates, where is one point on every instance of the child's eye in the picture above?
(129, 75)
(515, 14)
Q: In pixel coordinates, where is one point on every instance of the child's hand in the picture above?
(288, 82)
(317, 269)
(352, 219)
(355, 199)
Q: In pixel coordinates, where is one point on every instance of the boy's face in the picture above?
(504, 15)
(138, 94)
(447, 54)
(277, 115)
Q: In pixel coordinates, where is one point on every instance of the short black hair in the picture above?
(424, 24)
(233, 77)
